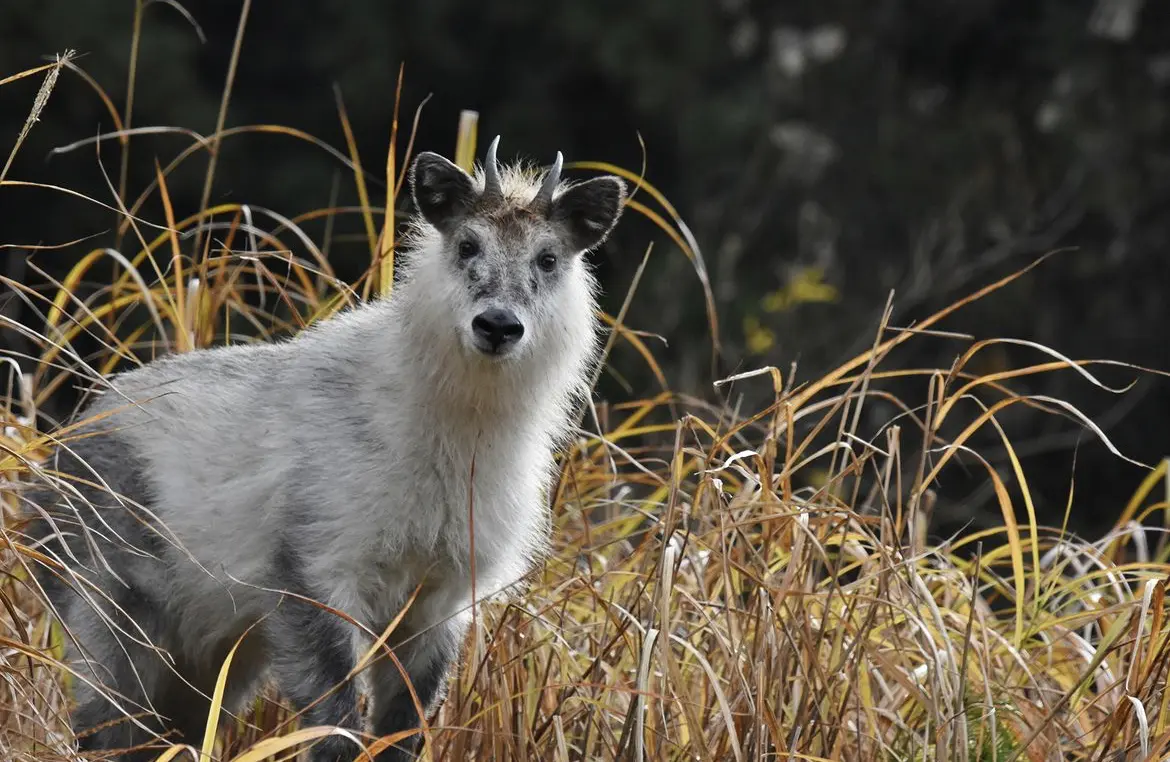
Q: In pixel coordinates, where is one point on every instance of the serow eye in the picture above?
(546, 262)
(468, 249)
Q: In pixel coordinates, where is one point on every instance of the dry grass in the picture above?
(724, 585)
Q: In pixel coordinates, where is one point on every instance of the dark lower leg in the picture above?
(118, 679)
(427, 660)
(312, 655)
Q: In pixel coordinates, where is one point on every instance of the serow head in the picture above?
(508, 261)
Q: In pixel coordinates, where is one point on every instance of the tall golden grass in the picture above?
(724, 584)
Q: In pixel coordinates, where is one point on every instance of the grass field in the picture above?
(725, 584)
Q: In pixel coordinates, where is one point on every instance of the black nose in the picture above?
(497, 328)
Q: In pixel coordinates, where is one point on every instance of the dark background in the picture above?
(925, 146)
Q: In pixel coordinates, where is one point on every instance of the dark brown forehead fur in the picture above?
(511, 219)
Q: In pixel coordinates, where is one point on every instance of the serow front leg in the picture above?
(427, 659)
(312, 654)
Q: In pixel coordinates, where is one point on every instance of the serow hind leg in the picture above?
(187, 704)
(114, 666)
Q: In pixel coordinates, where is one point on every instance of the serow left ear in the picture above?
(442, 191)
(590, 210)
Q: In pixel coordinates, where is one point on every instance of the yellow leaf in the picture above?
(817, 477)
(759, 338)
(806, 286)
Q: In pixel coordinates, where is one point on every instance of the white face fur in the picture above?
(509, 253)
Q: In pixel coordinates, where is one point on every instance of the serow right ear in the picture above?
(589, 210)
(442, 191)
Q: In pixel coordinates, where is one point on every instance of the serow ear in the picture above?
(442, 191)
(590, 210)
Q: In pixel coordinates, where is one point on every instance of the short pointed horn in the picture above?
(491, 172)
(551, 181)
